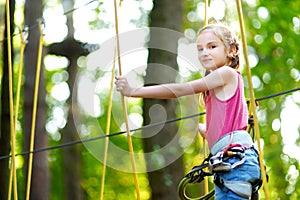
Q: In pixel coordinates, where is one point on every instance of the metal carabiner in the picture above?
(182, 191)
(196, 175)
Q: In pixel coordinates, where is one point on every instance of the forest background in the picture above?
(74, 89)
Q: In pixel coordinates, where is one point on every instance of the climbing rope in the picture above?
(11, 106)
(252, 98)
(205, 13)
(136, 183)
(23, 35)
(34, 109)
(205, 182)
(108, 123)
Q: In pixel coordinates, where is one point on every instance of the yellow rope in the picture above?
(35, 100)
(252, 98)
(24, 35)
(205, 23)
(11, 106)
(13, 176)
(108, 122)
(205, 13)
(125, 108)
(205, 181)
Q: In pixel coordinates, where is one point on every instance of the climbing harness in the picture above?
(215, 162)
(247, 189)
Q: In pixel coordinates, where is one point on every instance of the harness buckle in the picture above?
(216, 159)
(217, 163)
(222, 167)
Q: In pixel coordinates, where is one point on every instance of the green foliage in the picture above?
(273, 39)
(273, 34)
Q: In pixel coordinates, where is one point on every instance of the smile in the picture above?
(206, 60)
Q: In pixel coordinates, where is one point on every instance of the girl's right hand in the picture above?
(123, 86)
(202, 129)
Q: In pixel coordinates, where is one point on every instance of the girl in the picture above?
(226, 110)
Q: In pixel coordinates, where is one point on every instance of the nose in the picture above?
(203, 52)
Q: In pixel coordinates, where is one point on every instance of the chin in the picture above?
(209, 68)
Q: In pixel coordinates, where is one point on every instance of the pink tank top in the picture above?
(223, 117)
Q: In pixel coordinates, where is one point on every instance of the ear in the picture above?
(232, 50)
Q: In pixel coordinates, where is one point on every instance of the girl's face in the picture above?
(212, 53)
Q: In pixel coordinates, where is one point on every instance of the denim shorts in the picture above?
(248, 171)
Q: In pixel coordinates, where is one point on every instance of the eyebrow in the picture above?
(209, 43)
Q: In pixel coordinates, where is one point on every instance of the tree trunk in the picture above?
(40, 171)
(72, 155)
(5, 115)
(72, 50)
(164, 181)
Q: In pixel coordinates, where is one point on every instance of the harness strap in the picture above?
(232, 139)
(242, 188)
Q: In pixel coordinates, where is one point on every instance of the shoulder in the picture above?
(226, 70)
(230, 78)
(227, 73)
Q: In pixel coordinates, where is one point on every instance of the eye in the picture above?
(213, 46)
(200, 49)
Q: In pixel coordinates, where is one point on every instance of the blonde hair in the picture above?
(229, 40)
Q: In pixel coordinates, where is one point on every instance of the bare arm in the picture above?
(164, 91)
(217, 78)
